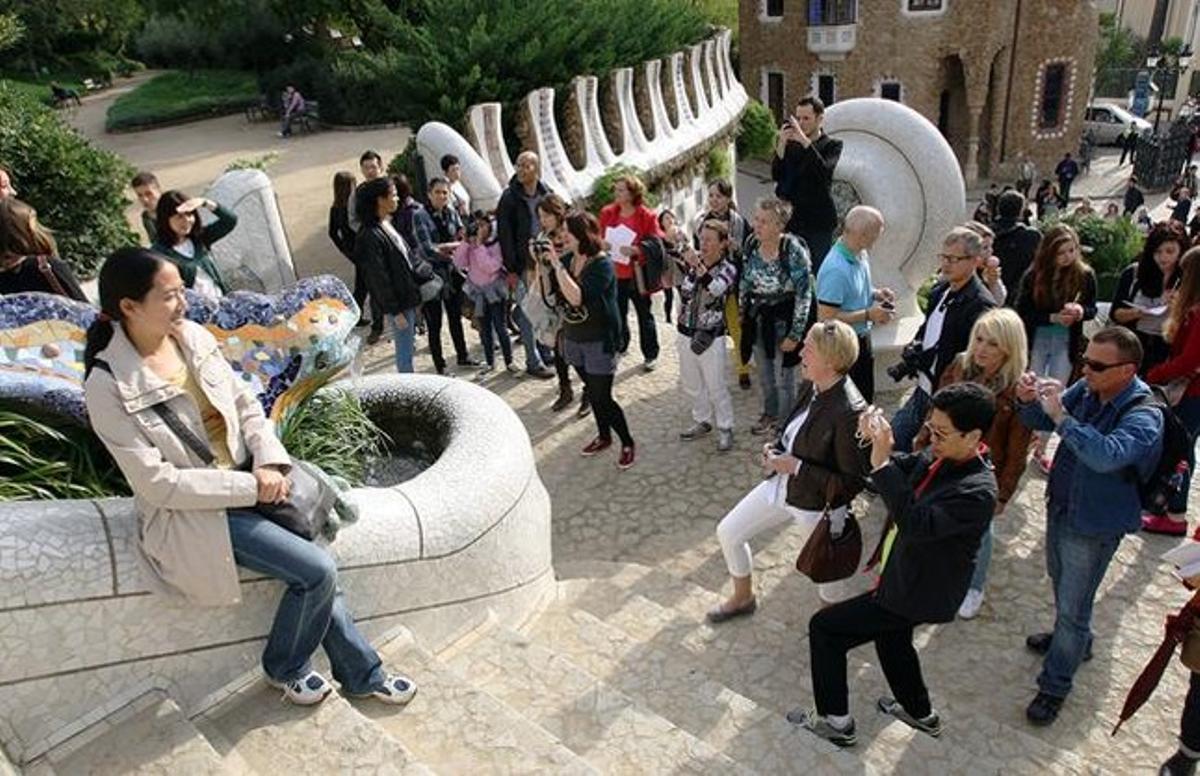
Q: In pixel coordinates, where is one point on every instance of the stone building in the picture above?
(999, 78)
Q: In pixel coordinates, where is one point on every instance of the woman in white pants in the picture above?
(707, 278)
(816, 462)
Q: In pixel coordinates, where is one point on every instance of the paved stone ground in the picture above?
(663, 512)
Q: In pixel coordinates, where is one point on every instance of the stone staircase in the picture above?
(617, 674)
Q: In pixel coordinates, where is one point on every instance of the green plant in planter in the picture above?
(602, 193)
(757, 132)
(39, 460)
(332, 430)
(718, 164)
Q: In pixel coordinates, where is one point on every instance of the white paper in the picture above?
(1155, 312)
(1186, 554)
(619, 237)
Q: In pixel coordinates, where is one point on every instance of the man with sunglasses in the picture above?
(1092, 501)
(955, 303)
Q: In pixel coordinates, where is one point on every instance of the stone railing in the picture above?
(82, 637)
(660, 136)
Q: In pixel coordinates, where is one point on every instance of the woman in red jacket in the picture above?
(629, 211)
(1182, 330)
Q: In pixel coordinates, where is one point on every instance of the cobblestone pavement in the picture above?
(663, 512)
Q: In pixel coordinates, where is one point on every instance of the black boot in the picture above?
(565, 397)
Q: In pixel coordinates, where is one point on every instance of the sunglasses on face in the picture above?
(1100, 366)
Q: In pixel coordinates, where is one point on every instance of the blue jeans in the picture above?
(404, 340)
(1188, 411)
(983, 560)
(778, 382)
(534, 359)
(907, 421)
(1076, 563)
(492, 327)
(312, 611)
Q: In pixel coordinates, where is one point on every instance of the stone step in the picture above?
(258, 730)
(153, 739)
(456, 727)
(598, 722)
(767, 662)
(676, 688)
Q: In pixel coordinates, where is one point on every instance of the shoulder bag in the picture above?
(827, 557)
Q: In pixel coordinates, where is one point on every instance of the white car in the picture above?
(1107, 122)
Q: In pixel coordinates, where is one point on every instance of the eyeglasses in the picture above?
(953, 258)
(938, 434)
(1100, 366)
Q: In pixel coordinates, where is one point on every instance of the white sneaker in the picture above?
(513, 369)
(971, 605)
(649, 365)
(484, 372)
(396, 690)
(307, 690)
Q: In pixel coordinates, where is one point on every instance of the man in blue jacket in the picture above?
(1109, 440)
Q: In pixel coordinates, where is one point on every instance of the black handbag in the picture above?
(310, 498)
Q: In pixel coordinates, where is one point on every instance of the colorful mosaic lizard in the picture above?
(285, 346)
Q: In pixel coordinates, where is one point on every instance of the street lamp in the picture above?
(1167, 63)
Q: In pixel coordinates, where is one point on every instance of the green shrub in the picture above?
(262, 162)
(254, 38)
(757, 133)
(718, 164)
(39, 460)
(77, 189)
(179, 96)
(408, 163)
(603, 194)
(332, 430)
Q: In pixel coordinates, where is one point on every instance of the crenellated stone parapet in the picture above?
(633, 127)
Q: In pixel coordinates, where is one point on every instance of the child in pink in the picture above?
(479, 256)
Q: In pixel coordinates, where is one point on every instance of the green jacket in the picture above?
(226, 221)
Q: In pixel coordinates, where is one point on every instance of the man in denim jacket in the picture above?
(1092, 496)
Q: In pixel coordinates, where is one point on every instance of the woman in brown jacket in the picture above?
(995, 358)
(814, 463)
(148, 371)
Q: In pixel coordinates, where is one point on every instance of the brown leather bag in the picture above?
(829, 558)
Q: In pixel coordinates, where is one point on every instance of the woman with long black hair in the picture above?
(1144, 292)
(183, 238)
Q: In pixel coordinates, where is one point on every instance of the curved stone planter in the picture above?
(82, 637)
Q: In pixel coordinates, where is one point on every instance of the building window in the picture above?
(773, 96)
(919, 6)
(1054, 88)
(826, 13)
(825, 87)
(890, 90)
(773, 9)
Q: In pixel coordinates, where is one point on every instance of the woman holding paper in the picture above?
(624, 224)
(1182, 331)
(1145, 290)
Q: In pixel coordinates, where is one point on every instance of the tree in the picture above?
(12, 30)
(1120, 54)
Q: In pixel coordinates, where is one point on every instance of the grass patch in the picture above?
(178, 96)
(39, 87)
(332, 430)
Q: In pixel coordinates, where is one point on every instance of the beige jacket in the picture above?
(184, 536)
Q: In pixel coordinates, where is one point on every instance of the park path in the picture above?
(190, 156)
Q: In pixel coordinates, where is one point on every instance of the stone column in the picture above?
(971, 164)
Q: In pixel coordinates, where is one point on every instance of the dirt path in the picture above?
(190, 156)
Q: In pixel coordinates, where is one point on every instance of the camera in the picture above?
(540, 247)
(471, 227)
(911, 361)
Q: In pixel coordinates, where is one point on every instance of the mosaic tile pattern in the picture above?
(285, 346)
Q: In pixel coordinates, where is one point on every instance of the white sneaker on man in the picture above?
(971, 604)
(396, 690)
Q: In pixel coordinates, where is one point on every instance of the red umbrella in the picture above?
(1177, 628)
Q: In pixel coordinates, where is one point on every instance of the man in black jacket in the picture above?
(516, 223)
(955, 303)
(939, 502)
(1015, 243)
(805, 158)
(1134, 198)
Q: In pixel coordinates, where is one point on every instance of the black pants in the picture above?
(834, 631)
(863, 371)
(1189, 723)
(561, 368)
(668, 302)
(433, 318)
(647, 332)
(1126, 150)
(819, 242)
(361, 293)
(609, 415)
(1064, 191)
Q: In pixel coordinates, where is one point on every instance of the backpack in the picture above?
(1167, 478)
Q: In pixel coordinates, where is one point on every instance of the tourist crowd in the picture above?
(1000, 365)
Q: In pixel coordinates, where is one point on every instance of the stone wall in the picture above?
(965, 51)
